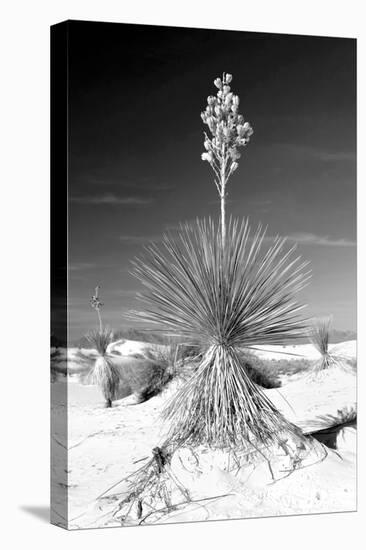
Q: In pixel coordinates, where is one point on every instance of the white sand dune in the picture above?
(77, 360)
(304, 351)
(131, 347)
(345, 349)
(105, 445)
(317, 402)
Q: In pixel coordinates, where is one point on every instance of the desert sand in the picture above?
(106, 445)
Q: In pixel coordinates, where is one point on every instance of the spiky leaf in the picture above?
(243, 295)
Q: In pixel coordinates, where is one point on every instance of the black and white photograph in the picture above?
(204, 308)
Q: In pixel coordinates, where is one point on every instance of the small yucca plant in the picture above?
(104, 372)
(100, 339)
(319, 337)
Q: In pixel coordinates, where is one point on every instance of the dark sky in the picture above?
(136, 93)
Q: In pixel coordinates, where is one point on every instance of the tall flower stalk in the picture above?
(97, 304)
(228, 132)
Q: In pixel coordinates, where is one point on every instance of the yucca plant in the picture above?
(104, 373)
(218, 286)
(319, 337)
(224, 298)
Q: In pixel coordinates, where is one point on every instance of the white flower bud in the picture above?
(240, 129)
(218, 83)
(211, 124)
(207, 156)
(229, 78)
(248, 130)
(228, 99)
(234, 154)
(226, 89)
(233, 166)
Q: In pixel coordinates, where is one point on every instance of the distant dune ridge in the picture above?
(77, 361)
(336, 336)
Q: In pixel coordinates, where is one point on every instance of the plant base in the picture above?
(222, 408)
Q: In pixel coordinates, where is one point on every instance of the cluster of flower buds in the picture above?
(228, 129)
(95, 302)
